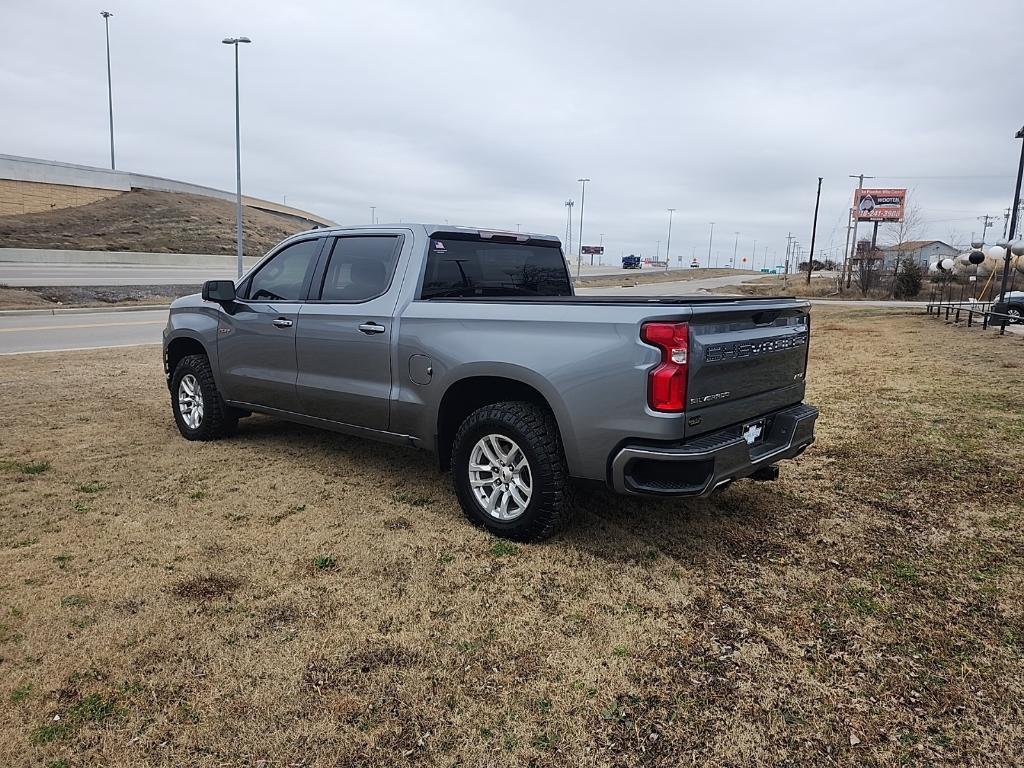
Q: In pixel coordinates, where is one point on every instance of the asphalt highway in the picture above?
(22, 333)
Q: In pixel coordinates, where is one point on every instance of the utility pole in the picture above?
(600, 244)
(814, 232)
(373, 214)
(986, 222)
(856, 215)
(711, 239)
(753, 254)
(735, 247)
(110, 91)
(1013, 217)
(668, 243)
(846, 248)
(789, 246)
(583, 201)
(568, 225)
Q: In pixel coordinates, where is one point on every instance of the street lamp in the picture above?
(735, 247)
(711, 239)
(238, 155)
(373, 214)
(579, 253)
(668, 243)
(110, 92)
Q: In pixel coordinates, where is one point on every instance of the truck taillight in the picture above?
(666, 384)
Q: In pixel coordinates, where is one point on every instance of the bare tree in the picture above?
(868, 272)
(899, 233)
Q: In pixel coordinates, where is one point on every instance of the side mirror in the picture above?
(221, 291)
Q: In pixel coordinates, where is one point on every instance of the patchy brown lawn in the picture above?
(292, 597)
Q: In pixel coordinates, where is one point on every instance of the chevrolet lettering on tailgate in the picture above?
(715, 352)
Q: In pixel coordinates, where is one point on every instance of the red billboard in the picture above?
(879, 204)
(593, 250)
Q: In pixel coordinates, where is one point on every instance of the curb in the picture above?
(81, 310)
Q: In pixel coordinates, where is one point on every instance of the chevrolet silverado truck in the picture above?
(472, 344)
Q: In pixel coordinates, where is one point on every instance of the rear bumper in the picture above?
(697, 467)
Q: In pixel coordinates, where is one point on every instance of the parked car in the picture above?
(1012, 304)
(471, 344)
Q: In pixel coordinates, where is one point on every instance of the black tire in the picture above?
(218, 420)
(1019, 309)
(534, 430)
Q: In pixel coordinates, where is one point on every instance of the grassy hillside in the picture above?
(144, 220)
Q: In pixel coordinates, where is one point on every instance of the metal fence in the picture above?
(943, 302)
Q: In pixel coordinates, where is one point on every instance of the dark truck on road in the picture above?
(471, 344)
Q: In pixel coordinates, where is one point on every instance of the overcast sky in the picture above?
(486, 113)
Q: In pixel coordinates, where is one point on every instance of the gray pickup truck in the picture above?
(473, 345)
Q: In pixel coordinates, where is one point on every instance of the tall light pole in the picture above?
(238, 155)
(600, 257)
(110, 91)
(735, 248)
(668, 242)
(373, 214)
(583, 201)
(711, 239)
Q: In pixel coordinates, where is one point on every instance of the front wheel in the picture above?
(1016, 313)
(199, 411)
(510, 472)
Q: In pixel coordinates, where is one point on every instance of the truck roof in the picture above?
(431, 229)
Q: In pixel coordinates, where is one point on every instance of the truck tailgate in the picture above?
(745, 361)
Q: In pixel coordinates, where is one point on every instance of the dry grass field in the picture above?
(291, 597)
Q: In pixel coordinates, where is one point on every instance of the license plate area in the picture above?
(754, 431)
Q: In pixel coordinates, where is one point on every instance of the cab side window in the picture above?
(286, 275)
(360, 268)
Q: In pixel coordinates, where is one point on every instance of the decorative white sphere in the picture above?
(976, 244)
(947, 264)
(1017, 247)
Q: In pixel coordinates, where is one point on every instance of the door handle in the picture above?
(371, 328)
(282, 322)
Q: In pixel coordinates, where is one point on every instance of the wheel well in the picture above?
(465, 396)
(180, 348)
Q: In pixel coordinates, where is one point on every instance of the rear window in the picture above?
(466, 267)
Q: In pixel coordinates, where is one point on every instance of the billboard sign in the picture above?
(879, 204)
(593, 250)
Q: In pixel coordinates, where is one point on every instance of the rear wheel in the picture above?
(199, 411)
(510, 472)
(1016, 313)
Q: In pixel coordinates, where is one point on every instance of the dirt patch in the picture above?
(149, 221)
(863, 610)
(206, 586)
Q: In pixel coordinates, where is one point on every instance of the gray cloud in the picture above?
(486, 113)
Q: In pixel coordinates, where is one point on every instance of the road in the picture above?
(92, 330)
(20, 274)
(17, 274)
